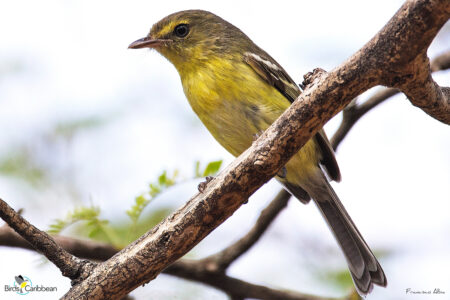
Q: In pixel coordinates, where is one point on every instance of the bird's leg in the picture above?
(282, 173)
(202, 185)
(310, 77)
(257, 135)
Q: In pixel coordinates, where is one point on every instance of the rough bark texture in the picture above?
(354, 111)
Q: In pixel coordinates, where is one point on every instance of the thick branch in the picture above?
(69, 265)
(354, 111)
(399, 43)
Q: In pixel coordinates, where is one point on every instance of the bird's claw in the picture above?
(257, 135)
(282, 173)
(202, 185)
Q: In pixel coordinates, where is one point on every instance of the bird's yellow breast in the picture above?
(236, 105)
(232, 101)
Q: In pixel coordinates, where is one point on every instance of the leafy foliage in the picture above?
(162, 183)
(211, 169)
(93, 224)
(122, 233)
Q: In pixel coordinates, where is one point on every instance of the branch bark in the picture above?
(354, 111)
(70, 266)
(395, 57)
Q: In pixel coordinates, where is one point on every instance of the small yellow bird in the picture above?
(238, 90)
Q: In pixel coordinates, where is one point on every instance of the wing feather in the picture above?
(269, 70)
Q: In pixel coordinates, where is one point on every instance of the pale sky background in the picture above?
(68, 60)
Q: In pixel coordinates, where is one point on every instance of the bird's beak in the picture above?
(146, 42)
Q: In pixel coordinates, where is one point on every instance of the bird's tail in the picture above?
(364, 267)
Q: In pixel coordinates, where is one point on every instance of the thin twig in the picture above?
(235, 288)
(221, 260)
(354, 111)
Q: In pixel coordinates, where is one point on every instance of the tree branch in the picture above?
(409, 70)
(395, 57)
(80, 248)
(69, 265)
(387, 59)
(354, 111)
(194, 270)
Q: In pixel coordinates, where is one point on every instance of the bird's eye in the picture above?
(181, 30)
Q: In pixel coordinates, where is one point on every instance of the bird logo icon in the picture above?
(22, 283)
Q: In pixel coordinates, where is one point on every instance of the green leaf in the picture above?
(212, 168)
(162, 179)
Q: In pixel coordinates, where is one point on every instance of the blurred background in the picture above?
(85, 122)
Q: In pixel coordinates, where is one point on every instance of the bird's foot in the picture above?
(257, 135)
(282, 173)
(311, 77)
(202, 185)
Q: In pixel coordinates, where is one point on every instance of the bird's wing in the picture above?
(269, 70)
(274, 74)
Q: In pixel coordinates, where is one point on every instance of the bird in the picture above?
(238, 90)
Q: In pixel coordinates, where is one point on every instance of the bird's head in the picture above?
(193, 36)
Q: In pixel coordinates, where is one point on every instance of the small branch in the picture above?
(69, 265)
(235, 288)
(80, 248)
(441, 62)
(354, 111)
(424, 92)
(221, 260)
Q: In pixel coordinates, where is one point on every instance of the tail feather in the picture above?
(363, 265)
